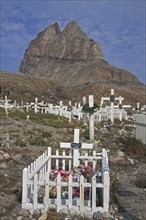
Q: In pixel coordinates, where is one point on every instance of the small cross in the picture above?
(75, 146)
(6, 104)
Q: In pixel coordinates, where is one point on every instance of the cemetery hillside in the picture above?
(73, 133)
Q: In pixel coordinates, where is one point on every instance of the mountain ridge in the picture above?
(54, 67)
(70, 57)
(27, 88)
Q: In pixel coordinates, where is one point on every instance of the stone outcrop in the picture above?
(71, 58)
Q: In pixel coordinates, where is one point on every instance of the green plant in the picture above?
(37, 141)
(84, 126)
(46, 134)
(128, 122)
(52, 214)
(86, 108)
(141, 179)
(2, 113)
(45, 119)
(133, 147)
(114, 188)
(117, 121)
(20, 143)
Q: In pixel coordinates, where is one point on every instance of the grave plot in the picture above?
(67, 111)
(6, 104)
(113, 111)
(68, 179)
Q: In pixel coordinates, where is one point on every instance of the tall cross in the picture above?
(36, 105)
(91, 101)
(91, 128)
(75, 146)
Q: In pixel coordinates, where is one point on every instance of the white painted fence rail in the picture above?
(37, 182)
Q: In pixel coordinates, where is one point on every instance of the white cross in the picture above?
(6, 104)
(27, 106)
(91, 101)
(112, 99)
(61, 103)
(36, 105)
(120, 98)
(84, 100)
(75, 146)
(69, 103)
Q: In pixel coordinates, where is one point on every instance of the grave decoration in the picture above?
(86, 171)
(115, 110)
(68, 179)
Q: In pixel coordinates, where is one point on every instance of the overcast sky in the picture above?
(118, 25)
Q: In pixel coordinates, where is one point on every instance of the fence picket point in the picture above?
(70, 160)
(57, 161)
(24, 189)
(46, 199)
(106, 191)
(35, 197)
(49, 161)
(81, 194)
(70, 191)
(58, 192)
(94, 162)
(93, 193)
(63, 161)
(86, 161)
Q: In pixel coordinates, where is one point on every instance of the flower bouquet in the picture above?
(86, 171)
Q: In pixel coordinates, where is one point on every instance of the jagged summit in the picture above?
(70, 57)
(51, 30)
(72, 28)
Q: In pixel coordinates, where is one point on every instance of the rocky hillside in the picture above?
(71, 58)
(22, 141)
(26, 88)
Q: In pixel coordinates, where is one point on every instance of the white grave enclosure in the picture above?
(36, 178)
(5, 103)
(140, 127)
(112, 111)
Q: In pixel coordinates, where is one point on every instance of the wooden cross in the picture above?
(6, 104)
(75, 146)
(112, 100)
(91, 101)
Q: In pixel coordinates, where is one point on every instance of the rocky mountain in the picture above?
(71, 58)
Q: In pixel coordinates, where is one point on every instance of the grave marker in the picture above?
(91, 101)
(6, 104)
(112, 100)
(75, 146)
(91, 128)
(84, 100)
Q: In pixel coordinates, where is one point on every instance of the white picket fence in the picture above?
(36, 178)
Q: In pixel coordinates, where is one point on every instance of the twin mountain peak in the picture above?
(71, 58)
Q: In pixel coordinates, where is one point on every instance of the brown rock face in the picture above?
(71, 58)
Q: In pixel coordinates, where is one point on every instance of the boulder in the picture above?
(24, 213)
